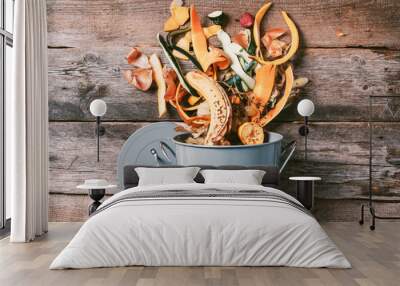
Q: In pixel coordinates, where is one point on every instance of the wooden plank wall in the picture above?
(88, 41)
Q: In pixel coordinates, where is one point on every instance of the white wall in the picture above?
(8, 85)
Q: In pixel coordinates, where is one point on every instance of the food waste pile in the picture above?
(236, 87)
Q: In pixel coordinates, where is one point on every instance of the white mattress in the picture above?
(200, 231)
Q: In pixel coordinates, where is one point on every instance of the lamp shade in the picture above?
(98, 107)
(305, 107)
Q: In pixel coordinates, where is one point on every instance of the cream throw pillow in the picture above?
(248, 177)
(166, 176)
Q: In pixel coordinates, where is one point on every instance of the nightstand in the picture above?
(97, 190)
(305, 190)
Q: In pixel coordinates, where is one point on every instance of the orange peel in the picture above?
(280, 105)
(256, 28)
(294, 45)
(265, 80)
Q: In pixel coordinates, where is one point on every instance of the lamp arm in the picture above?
(305, 137)
(98, 120)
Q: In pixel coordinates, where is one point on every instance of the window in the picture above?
(6, 46)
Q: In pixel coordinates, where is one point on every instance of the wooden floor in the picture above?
(375, 257)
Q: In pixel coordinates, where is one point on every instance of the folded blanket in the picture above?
(204, 194)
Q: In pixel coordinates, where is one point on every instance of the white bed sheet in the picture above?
(200, 232)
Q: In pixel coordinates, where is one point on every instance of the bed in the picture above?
(198, 224)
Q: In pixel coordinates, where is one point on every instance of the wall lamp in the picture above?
(98, 108)
(305, 108)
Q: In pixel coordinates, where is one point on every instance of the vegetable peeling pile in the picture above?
(236, 87)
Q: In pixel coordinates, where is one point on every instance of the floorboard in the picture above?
(375, 257)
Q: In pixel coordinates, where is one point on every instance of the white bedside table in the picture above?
(97, 190)
(305, 190)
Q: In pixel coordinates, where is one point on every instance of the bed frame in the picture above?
(271, 177)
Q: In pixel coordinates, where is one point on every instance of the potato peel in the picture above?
(161, 84)
(140, 78)
(137, 58)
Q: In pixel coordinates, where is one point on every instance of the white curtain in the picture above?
(27, 124)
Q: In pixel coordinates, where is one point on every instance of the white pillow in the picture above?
(248, 177)
(166, 176)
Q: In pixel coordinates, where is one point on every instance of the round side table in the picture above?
(96, 190)
(305, 190)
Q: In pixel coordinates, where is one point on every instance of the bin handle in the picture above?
(164, 147)
(289, 148)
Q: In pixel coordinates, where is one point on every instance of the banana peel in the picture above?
(256, 28)
(218, 102)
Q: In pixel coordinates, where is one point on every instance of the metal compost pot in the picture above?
(268, 153)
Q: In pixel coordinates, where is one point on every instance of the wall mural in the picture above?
(347, 50)
(235, 89)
